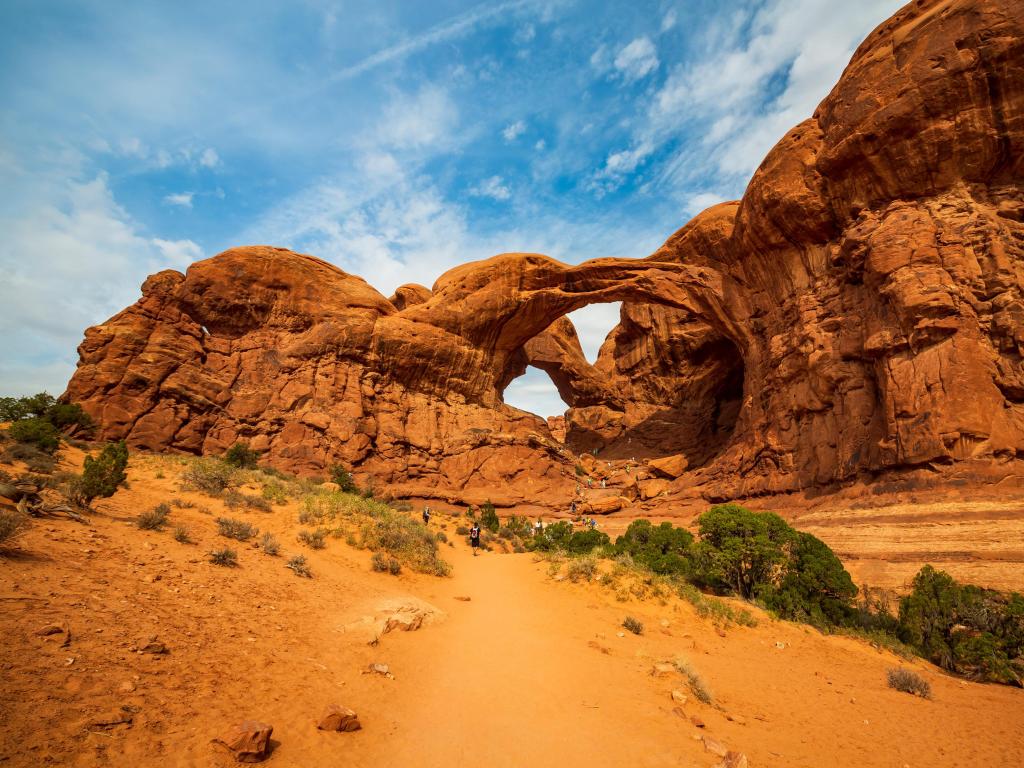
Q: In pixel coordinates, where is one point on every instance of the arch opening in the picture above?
(535, 392)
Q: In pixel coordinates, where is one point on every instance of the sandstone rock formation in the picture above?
(858, 314)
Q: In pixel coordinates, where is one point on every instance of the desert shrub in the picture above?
(462, 530)
(270, 544)
(400, 506)
(101, 476)
(663, 549)
(25, 452)
(909, 682)
(210, 476)
(584, 542)
(12, 525)
(580, 471)
(275, 492)
(963, 628)
(581, 568)
(226, 557)
(35, 431)
(313, 539)
(234, 499)
(43, 465)
(553, 537)
(815, 589)
(236, 529)
(697, 687)
(506, 533)
(404, 538)
(385, 564)
(741, 550)
(240, 455)
(633, 625)
(181, 503)
(310, 515)
(489, 517)
(299, 566)
(155, 519)
(341, 476)
(519, 525)
(181, 534)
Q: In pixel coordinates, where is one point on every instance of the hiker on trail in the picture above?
(426, 515)
(604, 483)
(474, 537)
(538, 527)
(572, 507)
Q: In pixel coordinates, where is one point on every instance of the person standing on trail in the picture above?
(474, 537)
(572, 508)
(604, 483)
(426, 515)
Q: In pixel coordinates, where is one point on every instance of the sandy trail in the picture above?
(509, 679)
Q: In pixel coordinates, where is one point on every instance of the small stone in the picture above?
(620, 634)
(111, 720)
(780, 646)
(339, 718)
(380, 669)
(598, 647)
(738, 719)
(679, 697)
(249, 741)
(714, 747)
(735, 760)
(697, 722)
(663, 669)
(463, 598)
(50, 629)
(154, 647)
(126, 687)
(678, 712)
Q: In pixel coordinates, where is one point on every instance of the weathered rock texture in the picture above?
(858, 313)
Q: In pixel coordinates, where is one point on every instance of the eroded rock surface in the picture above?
(857, 314)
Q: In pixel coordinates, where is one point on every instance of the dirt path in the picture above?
(509, 679)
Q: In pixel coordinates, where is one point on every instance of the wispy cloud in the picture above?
(637, 60)
(182, 199)
(494, 188)
(513, 131)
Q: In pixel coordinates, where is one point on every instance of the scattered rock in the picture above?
(733, 760)
(50, 629)
(379, 669)
(463, 598)
(339, 718)
(154, 647)
(714, 747)
(780, 646)
(110, 720)
(738, 719)
(697, 722)
(126, 687)
(248, 741)
(598, 647)
(679, 697)
(663, 669)
(678, 712)
(405, 622)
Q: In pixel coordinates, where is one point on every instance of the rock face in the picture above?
(857, 314)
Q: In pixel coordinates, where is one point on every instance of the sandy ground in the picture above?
(529, 671)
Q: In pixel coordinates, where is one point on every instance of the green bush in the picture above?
(404, 538)
(489, 518)
(341, 476)
(236, 529)
(66, 415)
(816, 588)
(664, 549)
(181, 534)
(384, 564)
(519, 525)
(18, 408)
(584, 542)
(210, 476)
(554, 536)
(35, 431)
(155, 519)
(240, 455)
(963, 628)
(101, 476)
(740, 550)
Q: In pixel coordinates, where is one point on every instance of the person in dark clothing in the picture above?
(474, 537)
(426, 515)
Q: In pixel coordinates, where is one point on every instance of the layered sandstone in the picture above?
(857, 315)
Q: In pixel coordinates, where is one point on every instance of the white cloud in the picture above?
(494, 188)
(637, 60)
(702, 201)
(541, 145)
(514, 130)
(524, 34)
(209, 158)
(534, 392)
(668, 21)
(95, 258)
(618, 166)
(183, 199)
(416, 121)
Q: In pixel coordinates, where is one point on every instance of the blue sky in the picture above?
(395, 139)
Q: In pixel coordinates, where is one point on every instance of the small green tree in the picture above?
(101, 476)
(584, 542)
(664, 548)
(741, 550)
(489, 518)
(242, 456)
(66, 415)
(37, 431)
(344, 479)
(815, 587)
